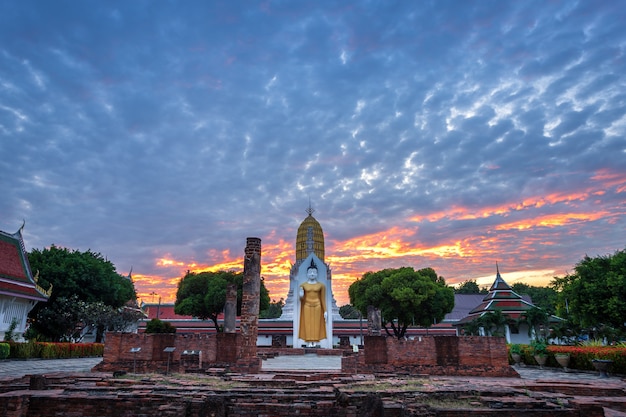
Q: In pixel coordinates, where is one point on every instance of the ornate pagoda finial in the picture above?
(310, 209)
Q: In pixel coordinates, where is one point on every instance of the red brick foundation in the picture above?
(192, 352)
(432, 355)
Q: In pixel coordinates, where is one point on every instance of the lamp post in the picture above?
(158, 313)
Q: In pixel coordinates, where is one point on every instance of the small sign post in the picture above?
(169, 351)
(134, 352)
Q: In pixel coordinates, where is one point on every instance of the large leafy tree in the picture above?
(203, 295)
(543, 297)
(349, 312)
(84, 277)
(594, 296)
(404, 297)
(494, 322)
(68, 317)
(538, 321)
(470, 287)
(274, 310)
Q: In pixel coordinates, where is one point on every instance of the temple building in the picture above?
(309, 245)
(513, 306)
(19, 291)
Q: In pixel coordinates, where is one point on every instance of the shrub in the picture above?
(25, 350)
(158, 326)
(9, 335)
(515, 348)
(5, 349)
(50, 350)
(539, 347)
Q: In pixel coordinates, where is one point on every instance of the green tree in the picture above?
(87, 276)
(349, 312)
(542, 297)
(473, 327)
(494, 323)
(594, 296)
(274, 311)
(203, 295)
(103, 317)
(538, 321)
(63, 319)
(470, 287)
(404, 296)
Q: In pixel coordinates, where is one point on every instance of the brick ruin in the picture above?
(432, 355)
(323, 394)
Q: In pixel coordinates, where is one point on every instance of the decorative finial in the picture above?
(312, 266)
(310, 210)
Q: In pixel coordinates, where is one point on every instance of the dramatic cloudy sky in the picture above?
(450, 134)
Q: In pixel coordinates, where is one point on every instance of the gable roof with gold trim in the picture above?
(16, 278)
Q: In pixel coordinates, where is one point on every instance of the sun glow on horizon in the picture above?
(511, 231)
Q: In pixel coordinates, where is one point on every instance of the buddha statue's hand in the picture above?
(325, 315)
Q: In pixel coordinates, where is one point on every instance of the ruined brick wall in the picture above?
(432, 355)
(151, 358)
(422, 351)
(228, 347)
(476, 350)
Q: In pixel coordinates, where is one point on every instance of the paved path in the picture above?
(309, 361)
(19, 368)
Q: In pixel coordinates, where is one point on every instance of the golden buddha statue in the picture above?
(313, 312)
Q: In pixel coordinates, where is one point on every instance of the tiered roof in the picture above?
(500, 297)
(16, 278)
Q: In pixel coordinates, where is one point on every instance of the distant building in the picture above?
(501, 298)
(19, 291)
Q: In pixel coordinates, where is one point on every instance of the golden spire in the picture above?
(310, 237)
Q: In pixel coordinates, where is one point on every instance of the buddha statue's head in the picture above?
(311, 271)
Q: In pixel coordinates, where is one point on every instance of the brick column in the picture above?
(247, 360)
(373, 321)
(230, 309)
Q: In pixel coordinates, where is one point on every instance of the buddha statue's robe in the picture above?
(312, 309)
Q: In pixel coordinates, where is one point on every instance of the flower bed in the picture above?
(581, 356)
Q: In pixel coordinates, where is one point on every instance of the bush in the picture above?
(9, 335)
(50, 350)
(25, 350)
(5, 349)
(158, 326)
(515, 348)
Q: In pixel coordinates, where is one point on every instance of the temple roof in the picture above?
(500, 297)
(16, 278)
